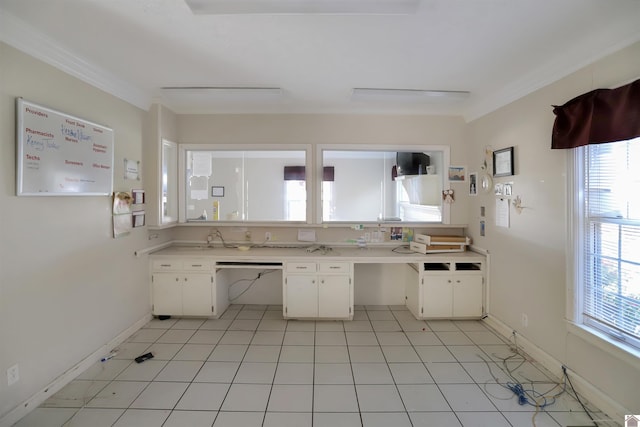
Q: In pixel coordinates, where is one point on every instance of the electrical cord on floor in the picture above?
(252, 282)
(525, 396)
(566, 376)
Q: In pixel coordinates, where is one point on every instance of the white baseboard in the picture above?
(37, 399)
(583, 387)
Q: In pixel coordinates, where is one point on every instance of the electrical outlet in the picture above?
(247, 236)
(525, 320)
(267, 236)
(13, 375)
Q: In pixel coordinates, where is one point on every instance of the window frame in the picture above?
(319, 164)
(182, 202)
(576, 264)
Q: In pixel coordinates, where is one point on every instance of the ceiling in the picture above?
(498, 50)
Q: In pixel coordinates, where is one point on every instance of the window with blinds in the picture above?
(611, 252)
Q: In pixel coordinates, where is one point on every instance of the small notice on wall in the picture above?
(502, 213)
(132, 169)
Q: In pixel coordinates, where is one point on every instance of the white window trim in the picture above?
(574, 244)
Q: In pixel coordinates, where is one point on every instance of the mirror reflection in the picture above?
(383, 186)
(245, 185)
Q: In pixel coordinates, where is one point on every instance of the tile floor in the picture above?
(252, 368)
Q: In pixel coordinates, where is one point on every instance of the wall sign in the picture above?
(61, 155)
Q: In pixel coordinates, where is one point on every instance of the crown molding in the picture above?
(569, 63)
(24, 37)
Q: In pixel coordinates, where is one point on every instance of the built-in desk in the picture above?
(186, 281)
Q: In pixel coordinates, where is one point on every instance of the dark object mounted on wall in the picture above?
(411, 163)
(599, 116)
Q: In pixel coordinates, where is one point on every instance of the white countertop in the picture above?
(372, 254)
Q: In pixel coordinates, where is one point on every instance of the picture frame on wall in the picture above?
(457, 173)
(503, 162)
(138, 196)
(217, 191)
(473, 184)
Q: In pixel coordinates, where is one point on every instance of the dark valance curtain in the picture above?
(298, 173)
(602, 115)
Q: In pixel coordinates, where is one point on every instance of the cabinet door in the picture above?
(197, 294)
(301, 293)
(412, 290)
(167, 294)
(334, 296)
(467, 295)
(437, 296)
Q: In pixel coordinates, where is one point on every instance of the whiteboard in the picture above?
(59, 154)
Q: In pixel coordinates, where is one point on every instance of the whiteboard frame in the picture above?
(20, 132)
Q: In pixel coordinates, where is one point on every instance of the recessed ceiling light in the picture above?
(298, 7)
(407, 95)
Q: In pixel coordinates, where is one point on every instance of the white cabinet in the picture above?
(166, 293)
(301, 296)
(467, 295)
(452, 288)
(186, 287)
(318, 290)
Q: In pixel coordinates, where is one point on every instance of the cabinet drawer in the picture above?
(166, 264)
(301, 267)
(196, 264)
(334, 267)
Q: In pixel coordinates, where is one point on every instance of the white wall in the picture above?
(529, 260)
(66, 286)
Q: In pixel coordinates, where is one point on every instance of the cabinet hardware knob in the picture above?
(177, 279)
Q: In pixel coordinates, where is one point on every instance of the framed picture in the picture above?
(473, 184)
(138, 197)
(503, 162)
(457, 173)
(138, 218)
(217, 191)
